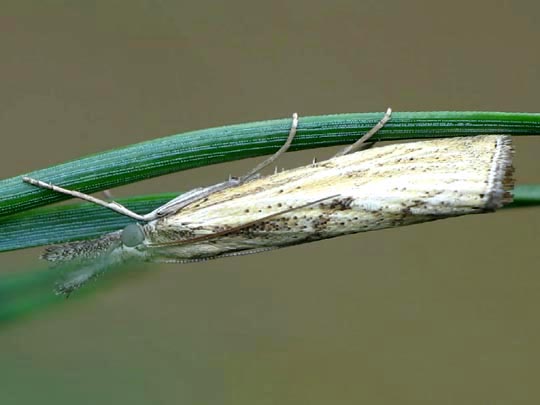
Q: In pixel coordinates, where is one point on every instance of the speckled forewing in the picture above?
(382, 187)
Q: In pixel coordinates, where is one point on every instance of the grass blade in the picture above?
(50, 225)
(198, 148)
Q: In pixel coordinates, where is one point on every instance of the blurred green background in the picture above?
(445, 312)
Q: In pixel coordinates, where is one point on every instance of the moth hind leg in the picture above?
(255, 171)
(362, 141)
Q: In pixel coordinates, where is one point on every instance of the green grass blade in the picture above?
(50, 225)
(26, 292)
(23, 293)
(526, 195)
(23, 224)
(193, 149)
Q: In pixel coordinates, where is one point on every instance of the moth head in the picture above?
(132, 235)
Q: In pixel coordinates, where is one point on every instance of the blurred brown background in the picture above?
(445, 312)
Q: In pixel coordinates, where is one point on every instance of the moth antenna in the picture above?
(114, 206)
(204, 259)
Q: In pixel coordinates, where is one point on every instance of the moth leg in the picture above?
(281, 151)
(107, 194)
(201, 193)
(114, 206)
(358, 144)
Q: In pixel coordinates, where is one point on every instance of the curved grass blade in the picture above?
(198, 148)
(24, 292)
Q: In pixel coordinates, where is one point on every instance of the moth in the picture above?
(355, 191)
